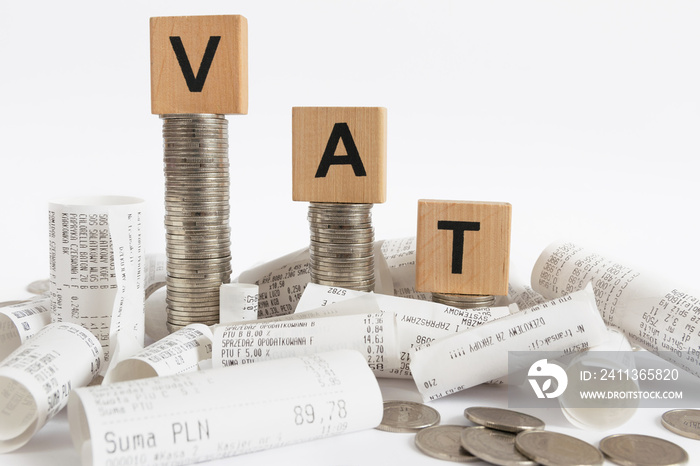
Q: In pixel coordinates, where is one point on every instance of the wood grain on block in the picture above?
(199, 64)
(463, 247)
(339, 154)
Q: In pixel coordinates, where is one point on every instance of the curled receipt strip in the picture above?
(20, 322)
(36, 379)
(176, 353)
(418, 322)
(206, 415)
(469, 358)
(651, 312)
(96, 268)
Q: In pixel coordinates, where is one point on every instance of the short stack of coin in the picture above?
(464, 301)
(198, 235)
(342, 245)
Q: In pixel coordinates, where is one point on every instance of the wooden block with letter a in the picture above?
(463, 247)
(339, 154)
(199, 64)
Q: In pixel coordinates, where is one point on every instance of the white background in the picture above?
(583, 115)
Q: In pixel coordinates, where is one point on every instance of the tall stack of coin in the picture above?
(342, 245)
(198, 242)
(464, 301)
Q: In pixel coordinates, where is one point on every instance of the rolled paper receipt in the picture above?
(450, 364)
(417, 322)
(373, 335)
(36, 379)
(20, 322)
(649, 310)
(176, 353)
(218, 413)
(96, 268)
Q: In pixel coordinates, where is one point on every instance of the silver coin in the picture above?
(555, 449)
(444, 442)
(502, 419)
(332, 263)
(685, 422)
(190, 315)
(186, 317)
(358, 278)
(321, 248)
(467, 301)
(204, 294)
(198, 255)
(493, 446)
(39, 286)
(407, 416)
(177, 325)
(187, 284)
(201, 159)
(642, 450)
(180, 302)
(345, 284)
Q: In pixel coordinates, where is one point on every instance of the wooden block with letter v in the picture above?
(463, 247)
(199, 64)
(339, 154)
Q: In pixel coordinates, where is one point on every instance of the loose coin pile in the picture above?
(198, 245)
(510, 438)
(341, 248)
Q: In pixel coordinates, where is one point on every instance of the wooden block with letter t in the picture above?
(339, 154)
(463, 247)
(199, 64)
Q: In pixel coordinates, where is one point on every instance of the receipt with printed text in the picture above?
(217, 413)
(651, 311)
(37, 378)
(454, 363)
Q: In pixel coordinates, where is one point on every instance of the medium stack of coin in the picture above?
(444, 442)
(198, 235)
(341, 249)
(464, 301)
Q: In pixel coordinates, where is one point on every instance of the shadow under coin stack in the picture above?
(342, 245)
(197, 209)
